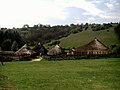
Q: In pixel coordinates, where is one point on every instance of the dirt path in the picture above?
(39, 59)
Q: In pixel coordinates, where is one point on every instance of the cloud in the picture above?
(91, 20)
(111, 13)
(89, 7)
(19, 12)
(109, 5)
(16, 13)
(112, 4)
(94, 1)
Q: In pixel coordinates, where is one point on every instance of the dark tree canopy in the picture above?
(14, 46)
(117, 30)
(7, 37)
(6, 45)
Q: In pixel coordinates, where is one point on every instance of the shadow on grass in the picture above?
(4, 83)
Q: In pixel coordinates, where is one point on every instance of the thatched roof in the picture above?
(24, 50)
(93, 45)
(40, 49)
(55, 50)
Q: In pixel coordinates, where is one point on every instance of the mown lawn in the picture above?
(97, 74)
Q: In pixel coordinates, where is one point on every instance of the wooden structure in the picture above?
(92, 48)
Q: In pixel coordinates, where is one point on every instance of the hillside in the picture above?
(73, 35)
(108, 37)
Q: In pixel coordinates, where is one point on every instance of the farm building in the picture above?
(93, 47)
(55, 50)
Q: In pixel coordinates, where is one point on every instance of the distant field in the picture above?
(97, 74)
(76, 40)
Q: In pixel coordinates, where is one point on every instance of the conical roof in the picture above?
(24, 50)
(93, 45)
(55, 50)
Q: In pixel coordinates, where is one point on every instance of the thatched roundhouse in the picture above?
(57, 50)
(24, 50)
(93, 47)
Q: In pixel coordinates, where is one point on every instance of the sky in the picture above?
(16, 13)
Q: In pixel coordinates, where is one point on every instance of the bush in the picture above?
(25, 59)
(7, 59)
(78, 57)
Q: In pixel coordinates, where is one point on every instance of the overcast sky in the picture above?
(16, 13)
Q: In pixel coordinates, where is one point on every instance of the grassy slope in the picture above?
(81, 38)
(99, 74)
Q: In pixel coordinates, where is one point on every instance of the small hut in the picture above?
(93, 47)
(24, 51)
(55, 50)
(40, 49)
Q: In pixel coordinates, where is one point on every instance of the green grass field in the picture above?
(84, 37)
(97, 74)
(79, 39)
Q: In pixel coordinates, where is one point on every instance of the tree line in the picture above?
(46, 33)
(117, 31)
(11, 39)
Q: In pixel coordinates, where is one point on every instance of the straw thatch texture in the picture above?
(93, 47)
(55, 50)
(24, 50)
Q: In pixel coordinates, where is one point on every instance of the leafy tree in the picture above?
(25, 26)
(6, 45)
(18, 39)
(86, 26)
(55, 42)
(117, 30)
(106, 26)
(14, 46)
(1, 37)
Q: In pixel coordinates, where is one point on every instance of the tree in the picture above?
(117, 30)
(86, 26)
(1, 59)
(56, 42)
(6, 45)
(14, 46)
(1, 37)
(25, 26)
(18, 39)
